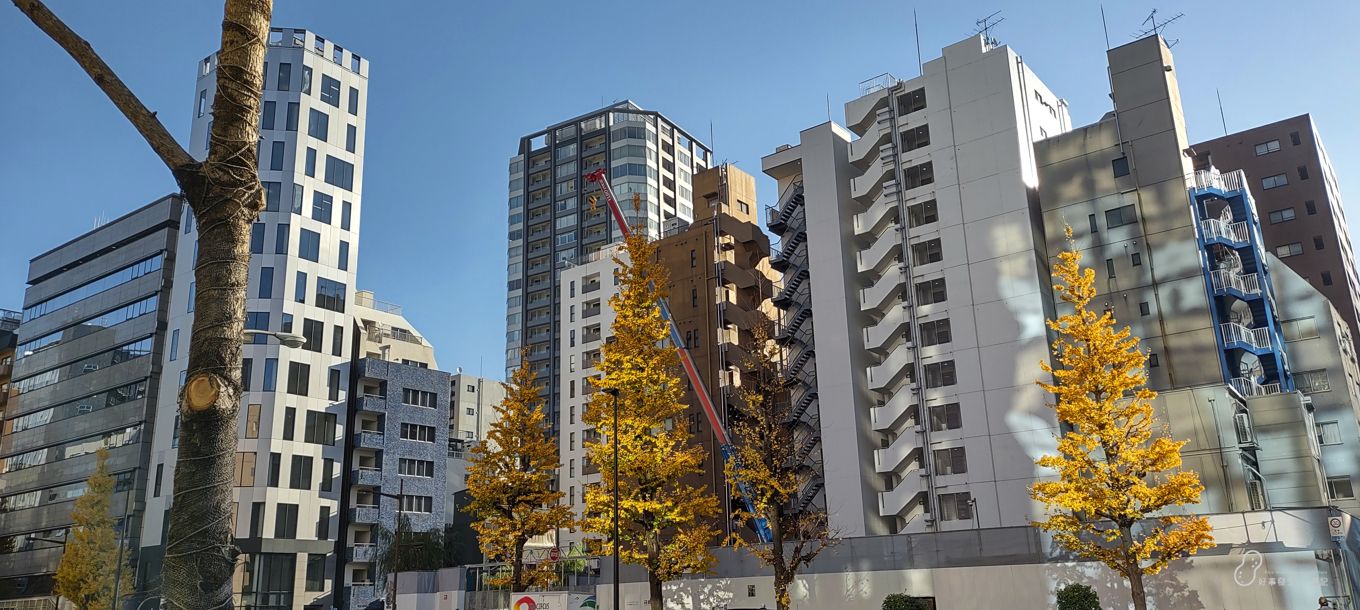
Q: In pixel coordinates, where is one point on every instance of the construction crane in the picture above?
(762, 527)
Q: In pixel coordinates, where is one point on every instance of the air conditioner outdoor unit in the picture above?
(1256, 495)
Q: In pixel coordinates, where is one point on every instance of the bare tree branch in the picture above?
(165, 146)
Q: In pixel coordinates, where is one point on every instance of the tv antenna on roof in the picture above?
(1158, 27)
(984, 27)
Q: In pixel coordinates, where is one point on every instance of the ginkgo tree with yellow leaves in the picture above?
(664, 521)
(510, 478)
(1117, 473)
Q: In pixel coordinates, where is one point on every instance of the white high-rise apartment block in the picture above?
(586, 322)
(915, 230)
(302, 275)
(472, 408)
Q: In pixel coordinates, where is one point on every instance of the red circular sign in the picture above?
(554, 554)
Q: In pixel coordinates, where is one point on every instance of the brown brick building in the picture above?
(719, 276)
(1299, 202)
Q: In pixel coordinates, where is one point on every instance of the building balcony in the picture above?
(1236, 336)
(891, 370)
(890, 327)
(373, 403)
(904, 496)
(367, 476)
(362, 552)
(590, 336)
(883, 291)
(369, 439)
(1235, 284)
(892, 412)
(1250, 388)
(362, 513)
(590, 312)
(881, 253)
(1231, 234)
(6, 369)
(590, 287)
(904, 447)
(1213, 180)
(871, 221)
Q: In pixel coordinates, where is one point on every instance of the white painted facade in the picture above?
(472, 410)
(951, 151)
(585, 323)
(338, 89)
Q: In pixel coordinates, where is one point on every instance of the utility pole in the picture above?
(614, 394)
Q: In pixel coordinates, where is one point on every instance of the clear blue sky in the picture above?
(455, 84)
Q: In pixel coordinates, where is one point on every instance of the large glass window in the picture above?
(318, 124)
(339, 173)
(321, 207)
(80, 406)
(330, 295)
(88, 326)
(330, 91)
(84, 446)
(85, 366)
(89, 289)
(299, 378)
(309, 245)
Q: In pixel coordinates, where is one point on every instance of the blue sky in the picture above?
(454, 84)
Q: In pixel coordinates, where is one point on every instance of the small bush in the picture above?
(1078, 597)
(902, 601)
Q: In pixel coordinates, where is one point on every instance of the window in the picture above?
(1152, 361)
(1120, 216)
(935, 332)
(281, 239)
(285, 77)
(919, 175)
(245, 469)
(339, 173)
(297, 198)
(300, 287)
(1303, 172)
(310, 167)
(1279, 216)
(419, 398)
(415, 468)
(285, 520)
(300, 475)
(353, 101)
(333, 385)
(931, 291)
(320, 428)
(1299, 328)
(911, 101)
(271, 374)
(950, 461)
(417, 504)
(956, 506)
(306, 87)
(160, 472)
(945, 417)
(266, 287)
(351, 137)
(1136, 259)
(321, 207)
(1109, 267)
(750, 590)
(275, 460)
(417, 432)
(289, 422)
(940, 374)
(1339, 488)
(257, 320)
(287, 324)
(318, 124)
(316, 563)
(1288, 250)
(277, 152)
(257, 238)
(1318, 244)
(1275, 181)
(337, 340)
(203, 102)
(1120, 166)
(312, 331)
(298, 378)
(346, 209)
(1294, 138)
(309, 245)
(290, 122)
(256, 519)
(330, 295)
(1310, 382)
(343, 263)
(327, 474)
(273, 194)
(923, 213)
(1266, 148)
(1310, 206)
(1329, 433)
(1144, 309)
(330, 91)
(174, 344)
(253, 421)
(927, 252)
(1326, 278)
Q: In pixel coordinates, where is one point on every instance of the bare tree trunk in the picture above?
(654, 581)
(225, 195)
(517, 568)
(1132, 570)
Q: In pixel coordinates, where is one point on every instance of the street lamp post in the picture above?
(287, 339)
(614, 394)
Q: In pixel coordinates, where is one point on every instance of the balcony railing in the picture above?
(1213, 179)
(1256, 338)
(1236, 232)
(1250, 389)
(1224, 280)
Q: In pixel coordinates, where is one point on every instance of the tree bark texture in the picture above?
(1133, 571)
(225, 196)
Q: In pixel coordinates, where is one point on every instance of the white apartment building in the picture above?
(584, 290)
(914, 229)
(473, 407)
(302, 274)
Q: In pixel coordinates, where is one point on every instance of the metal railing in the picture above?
(365, 299)
(1250, 389)
(1235, 232)
(1258, 338)
(877, 83)
(1235, 180)
(1224, 279)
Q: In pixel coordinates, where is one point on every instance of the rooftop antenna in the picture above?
(1157, 28)
(1105, 26)
(920, 67)
(1222, 117)
(984, 27)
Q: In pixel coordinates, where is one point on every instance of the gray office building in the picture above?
(85, 377)
(553, 221)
